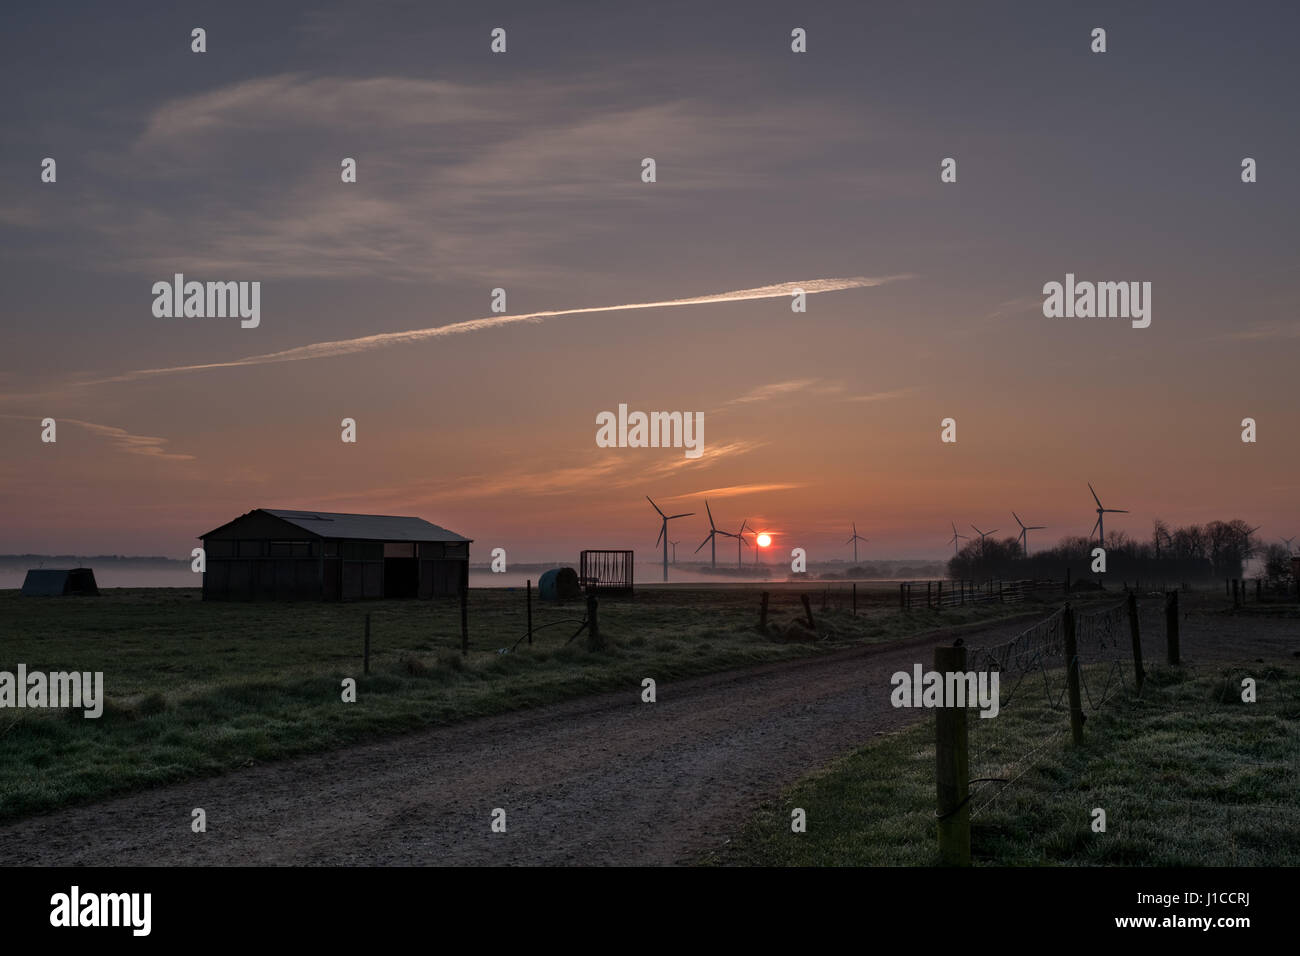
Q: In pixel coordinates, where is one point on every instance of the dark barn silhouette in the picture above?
(272, 554)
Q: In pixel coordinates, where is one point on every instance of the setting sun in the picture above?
(764, 540)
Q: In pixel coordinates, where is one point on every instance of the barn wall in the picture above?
(285, 564)
(440, 577)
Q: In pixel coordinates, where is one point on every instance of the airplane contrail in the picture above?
(384, 339)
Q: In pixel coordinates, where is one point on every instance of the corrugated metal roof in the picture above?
(329, 524)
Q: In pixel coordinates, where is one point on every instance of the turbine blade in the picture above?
(1094, 495)
(704, 542)
(660, 538)
(706, 508)
(652, 503)
(686, 515)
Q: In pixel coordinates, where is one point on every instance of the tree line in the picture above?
(1194, 553)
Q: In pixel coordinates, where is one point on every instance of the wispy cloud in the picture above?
(122, 439)
(456, 181)
(600, 470)
(369, 343)
(764, 393)
(733, 491)
(1264, 332)
(880, 396)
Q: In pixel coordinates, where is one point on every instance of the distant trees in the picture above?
(1217, 550)
(1277, 567)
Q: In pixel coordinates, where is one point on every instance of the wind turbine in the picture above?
(955, 536)
(1024, 532)
(1288, 543)
(1101, 514)
(740, 539)
(855, 539)
(712, 536)
(663, 533)
(1245, 538)
(983, 535)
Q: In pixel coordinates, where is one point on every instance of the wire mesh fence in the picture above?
(1037, 658)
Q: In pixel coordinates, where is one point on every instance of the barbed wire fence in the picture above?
(1078, 659)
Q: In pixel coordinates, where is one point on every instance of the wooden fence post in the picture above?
(1171, 626)
(938, 601)
(595, 640)
(1072, 676)
(807, 609)
(1138, 674)
(1236, 596)
(762, 612)
(952, 767)
(464, 621)
(928, 586)
(528, 593)
(855, 598)
(365, 656)
(902, 601)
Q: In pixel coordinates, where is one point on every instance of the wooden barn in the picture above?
(270, 554)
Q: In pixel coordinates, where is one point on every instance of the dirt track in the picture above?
(602, 780)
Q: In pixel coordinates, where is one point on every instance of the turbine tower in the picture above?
(1024, 532)
(740, 539)
(674, 544)
(854, 541)
(955, 536)
(712, 536)
(1101, 514)
(663, 533)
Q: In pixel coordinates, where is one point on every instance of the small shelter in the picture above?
(55, 583)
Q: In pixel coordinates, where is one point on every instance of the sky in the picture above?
(522, 170)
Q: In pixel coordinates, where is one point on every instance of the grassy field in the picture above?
(1188, 775)
(197, 688)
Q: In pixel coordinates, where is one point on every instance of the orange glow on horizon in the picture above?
(764, 540)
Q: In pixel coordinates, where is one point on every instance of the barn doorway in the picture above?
(401, 570)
